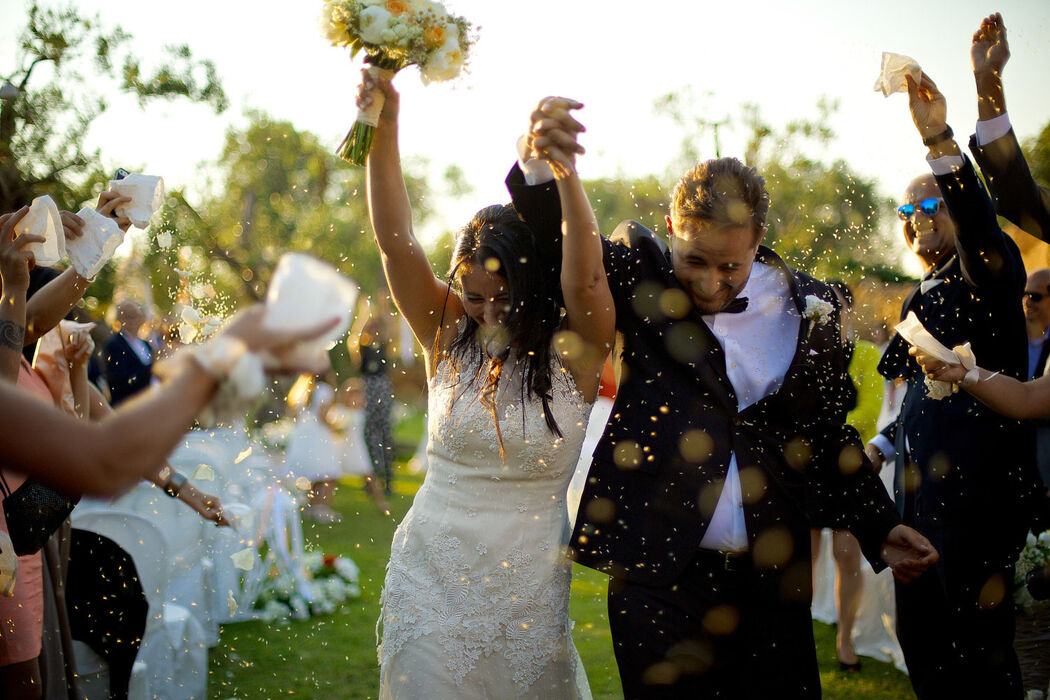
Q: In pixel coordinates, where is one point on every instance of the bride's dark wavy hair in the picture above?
(497, 233)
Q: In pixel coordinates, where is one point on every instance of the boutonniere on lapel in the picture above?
(816, 311)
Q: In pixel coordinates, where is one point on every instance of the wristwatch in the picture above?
(174, 485)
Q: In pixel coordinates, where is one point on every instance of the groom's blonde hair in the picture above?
(721, 192)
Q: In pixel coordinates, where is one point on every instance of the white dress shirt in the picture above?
(759, 344)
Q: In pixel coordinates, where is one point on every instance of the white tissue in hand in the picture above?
(44, 219)
(304, 293)
(147, 196)
(895, 68)
(912, 330)
(92, 250)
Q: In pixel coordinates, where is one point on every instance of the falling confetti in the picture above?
(204, 473)
(164, 239)
(242, 455)
(231, 601)
(244, 559)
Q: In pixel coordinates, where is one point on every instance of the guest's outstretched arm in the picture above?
(1002, 394)
(106, 457)
(418, 293)
(588, 300)
(14, 281)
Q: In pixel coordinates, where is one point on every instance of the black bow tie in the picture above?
(736, 306)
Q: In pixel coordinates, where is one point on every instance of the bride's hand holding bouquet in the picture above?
(394, 34)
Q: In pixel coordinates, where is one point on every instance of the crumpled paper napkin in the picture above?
(304, 293)
(89, 253)
(147, 196)
(912, 330)
(895, 68)
(44, 219)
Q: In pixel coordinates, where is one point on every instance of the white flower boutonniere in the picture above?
(817, 310)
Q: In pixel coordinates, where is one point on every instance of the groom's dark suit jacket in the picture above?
(971, 475)
(1016, 195)
(660, 465)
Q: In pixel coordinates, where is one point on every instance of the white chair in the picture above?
(173, 644)
(192, 573)
(93, 675)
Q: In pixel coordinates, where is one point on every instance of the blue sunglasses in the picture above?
(929, 207)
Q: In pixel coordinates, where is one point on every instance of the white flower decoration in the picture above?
(818, 310)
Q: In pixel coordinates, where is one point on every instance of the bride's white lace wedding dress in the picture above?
(477, 589)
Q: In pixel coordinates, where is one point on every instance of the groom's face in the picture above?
(712, 263)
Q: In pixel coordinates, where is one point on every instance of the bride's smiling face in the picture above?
(486, 297)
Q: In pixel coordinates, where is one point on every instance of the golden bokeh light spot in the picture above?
(628, 454)
(752, 484)
(696, 446)
(600, 510)
(492, 264)
(850, 459)
(992, 593)
(569, 345)
(798, 453)
(674, 303)
(721, 620)
(773, 548)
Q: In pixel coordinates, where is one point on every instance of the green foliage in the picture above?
(276, 189)
(644, 200)
(44, 116)
(824, 218)
(1037, 152)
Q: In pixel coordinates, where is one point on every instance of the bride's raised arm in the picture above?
(418, 293)
(588, 301)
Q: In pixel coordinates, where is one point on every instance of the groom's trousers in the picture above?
(956, 622)
(718, 632)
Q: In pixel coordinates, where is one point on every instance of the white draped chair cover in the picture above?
(173, 645)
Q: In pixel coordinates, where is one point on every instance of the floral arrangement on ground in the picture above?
(332, 580)
(1035, 555)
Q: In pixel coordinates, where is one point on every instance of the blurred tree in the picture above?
(824, 218)
(276, 189)
(1037, 152)
(45, 110)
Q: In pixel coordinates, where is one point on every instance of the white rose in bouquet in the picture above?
(374, 21)
(444, 64)
(332, 23)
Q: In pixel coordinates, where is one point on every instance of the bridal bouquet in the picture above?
(394, 34)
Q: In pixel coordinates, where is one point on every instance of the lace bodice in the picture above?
(478, 564)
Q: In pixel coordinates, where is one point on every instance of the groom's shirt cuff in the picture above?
(535, 171)
(883, 445)
(992, 129)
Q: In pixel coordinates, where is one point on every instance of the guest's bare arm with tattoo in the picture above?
(14, 281)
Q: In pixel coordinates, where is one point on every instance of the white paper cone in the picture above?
(147, 196)
(101, 239)
(370, 116)
(304, 293)
(912, 330)
(44, 219)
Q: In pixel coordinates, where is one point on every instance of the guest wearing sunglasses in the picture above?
(965, 476)
(1037, 320)
(994, 146)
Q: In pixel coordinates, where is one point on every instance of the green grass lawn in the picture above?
(335, 656)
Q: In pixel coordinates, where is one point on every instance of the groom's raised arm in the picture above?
(539, 207)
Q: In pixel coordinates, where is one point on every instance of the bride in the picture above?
(477, 589)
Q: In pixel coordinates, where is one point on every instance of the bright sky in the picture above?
(614, 56)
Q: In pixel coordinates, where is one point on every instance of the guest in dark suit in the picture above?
(965, 475)
(129, 359)
(726, 442)
(1016, 195)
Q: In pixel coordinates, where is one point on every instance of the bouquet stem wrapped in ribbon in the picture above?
(394, 34)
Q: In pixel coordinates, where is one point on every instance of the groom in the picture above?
(726, 443)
